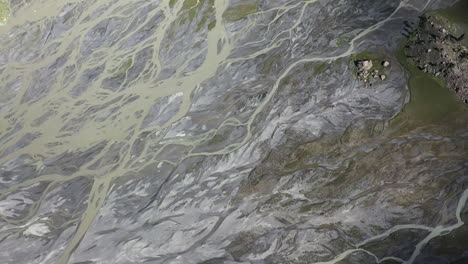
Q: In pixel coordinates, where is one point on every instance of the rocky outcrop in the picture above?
(368, 68)
(433, 48)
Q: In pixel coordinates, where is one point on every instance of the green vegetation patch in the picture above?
(4, 12)
(125, 65)
(239, 12)
(369, 55)
(376, 58)
(190, 3)
(272, 60)
(211, 25)
(207, 16)
(172, 3)
(321, 68)
(199, 11)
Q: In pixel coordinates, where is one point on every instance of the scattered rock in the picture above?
(367, 68)
(383, 77)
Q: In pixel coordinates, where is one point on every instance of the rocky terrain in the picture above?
(225, 131)
(368, 70)
(437, 49)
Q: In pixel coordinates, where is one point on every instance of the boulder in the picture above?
(367, 65)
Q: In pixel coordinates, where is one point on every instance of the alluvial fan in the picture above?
(222, 131)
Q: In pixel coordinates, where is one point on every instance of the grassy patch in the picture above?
(239, 12)
(190, 3)
(4, 12)
(207, 15)
(369, 55)
(269, 64)
(211, 25)
(322, 67)
(123, 67)
(172, 3)
(194, 10)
